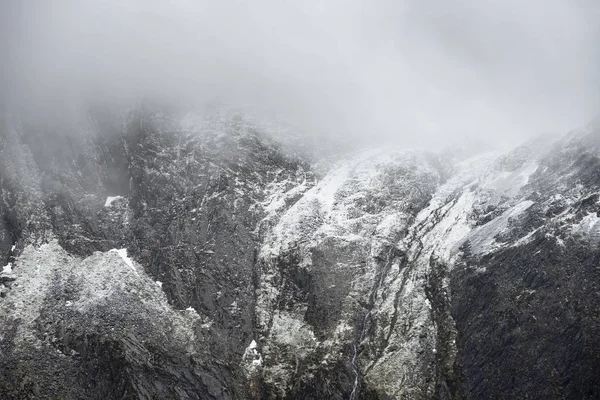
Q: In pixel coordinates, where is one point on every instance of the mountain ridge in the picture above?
(255, 273)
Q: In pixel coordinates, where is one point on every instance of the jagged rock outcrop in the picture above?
(151, 254)
(184, 202)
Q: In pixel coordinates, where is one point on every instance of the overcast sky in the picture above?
(415, 72)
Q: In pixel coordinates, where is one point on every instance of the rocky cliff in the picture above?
(153, 254)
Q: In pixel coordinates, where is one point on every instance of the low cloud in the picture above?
(412, 72)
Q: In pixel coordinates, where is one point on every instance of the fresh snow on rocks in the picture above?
(110, 199)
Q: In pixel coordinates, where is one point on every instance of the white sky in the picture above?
(414, 72)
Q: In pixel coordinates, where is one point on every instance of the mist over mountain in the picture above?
(409, 72)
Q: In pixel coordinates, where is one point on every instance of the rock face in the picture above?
(155, 255)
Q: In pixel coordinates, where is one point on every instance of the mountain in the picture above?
(152, 254)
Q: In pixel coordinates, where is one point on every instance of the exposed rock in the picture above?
(156, 255)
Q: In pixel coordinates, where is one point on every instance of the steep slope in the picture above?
(381, 273)
(332, 272)
(151, 254)
(182, 196)
(527, 308)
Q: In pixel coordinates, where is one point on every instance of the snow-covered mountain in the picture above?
(155, 255)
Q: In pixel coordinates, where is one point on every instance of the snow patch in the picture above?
(288, 329)
(526, 239)
(123, 254)
(510, 182)
(99, 282)
(589, 226)
(7, 269)
(444, 235)
(253, 356)
(483, 239)
(335, 206)
(443, 225)
(110, 199)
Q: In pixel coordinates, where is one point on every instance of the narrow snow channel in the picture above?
(355, 355)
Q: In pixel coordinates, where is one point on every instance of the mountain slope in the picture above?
(156, 255)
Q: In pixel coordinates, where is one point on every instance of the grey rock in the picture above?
(229, 266)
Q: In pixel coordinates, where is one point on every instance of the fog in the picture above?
(408, 72)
